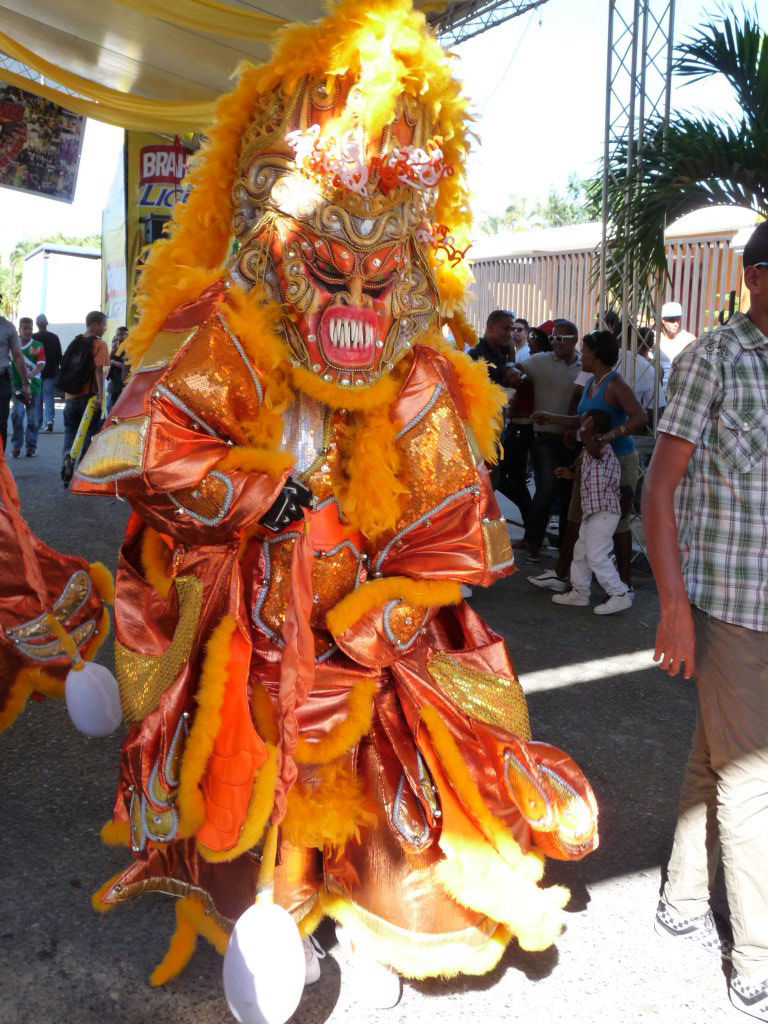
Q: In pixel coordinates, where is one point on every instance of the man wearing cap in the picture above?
(706, 528)
(52, 346)
(673, 337)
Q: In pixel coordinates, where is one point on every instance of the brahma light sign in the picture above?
(40, 145)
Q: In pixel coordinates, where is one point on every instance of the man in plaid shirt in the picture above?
(600, 514)
(705, 512)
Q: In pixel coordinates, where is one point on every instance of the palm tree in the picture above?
(695, 161)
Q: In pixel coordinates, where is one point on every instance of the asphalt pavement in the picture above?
(591, 689)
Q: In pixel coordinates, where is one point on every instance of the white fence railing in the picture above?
(705, 276)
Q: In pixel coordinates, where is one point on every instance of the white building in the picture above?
(64, 283)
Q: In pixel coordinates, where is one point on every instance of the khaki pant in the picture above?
(724, 801)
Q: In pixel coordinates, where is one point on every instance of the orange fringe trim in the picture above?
(210, 694)
(419, 593)
(191, 921)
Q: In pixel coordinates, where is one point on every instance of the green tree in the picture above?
(696, 161)
(10, 276)
(574, 206)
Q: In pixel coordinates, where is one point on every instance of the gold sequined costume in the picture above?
(421, 808)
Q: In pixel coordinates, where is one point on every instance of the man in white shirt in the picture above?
(673, 337)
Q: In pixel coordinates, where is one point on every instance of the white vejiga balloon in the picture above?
(264, 966)
(93, 700)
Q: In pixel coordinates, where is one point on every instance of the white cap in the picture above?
(670, 310)
(41, 319)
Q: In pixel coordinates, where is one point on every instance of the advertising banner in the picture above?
(40, 145)
(155, 169)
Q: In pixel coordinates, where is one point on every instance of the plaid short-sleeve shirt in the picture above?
(718, 400)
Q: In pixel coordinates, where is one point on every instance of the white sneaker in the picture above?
(615, 603)
(549, 580)
(313, 954)
(575, 598)
(375, 985)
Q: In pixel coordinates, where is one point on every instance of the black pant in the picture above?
(547, 453)
(73, 413)
(513, 478)
(5, 404)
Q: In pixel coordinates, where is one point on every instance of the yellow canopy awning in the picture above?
(152, 64)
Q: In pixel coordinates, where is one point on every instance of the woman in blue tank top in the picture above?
(606, 389)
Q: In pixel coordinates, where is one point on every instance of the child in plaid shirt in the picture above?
(601, 511)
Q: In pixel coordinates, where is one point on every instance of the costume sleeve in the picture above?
(175, 445)
(693, 392)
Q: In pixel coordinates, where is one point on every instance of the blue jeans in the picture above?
(21, 413)
(45, 402)
(547, 453)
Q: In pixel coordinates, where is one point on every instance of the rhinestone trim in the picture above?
(424, 412)
(380, 558)
(209, 520)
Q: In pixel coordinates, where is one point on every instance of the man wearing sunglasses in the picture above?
(553, 375)
(706, 528)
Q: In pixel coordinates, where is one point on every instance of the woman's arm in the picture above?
(571, 422)
(620, 393)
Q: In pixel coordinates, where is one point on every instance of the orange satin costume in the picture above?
(35, 656)
(421, 808)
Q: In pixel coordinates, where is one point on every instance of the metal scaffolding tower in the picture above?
(465, 20)
(638, 88)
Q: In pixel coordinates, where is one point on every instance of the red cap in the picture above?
(548, 326)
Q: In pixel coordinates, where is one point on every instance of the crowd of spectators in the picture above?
(34, 371)
(560, 388)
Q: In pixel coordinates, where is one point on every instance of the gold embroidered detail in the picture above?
(529, 793)
(76, 592)
(53, 650)
(118, 451)
(142, 678)
(497, 700)
(162, 349)
(209, 501)
(118, 893)
(498, 548)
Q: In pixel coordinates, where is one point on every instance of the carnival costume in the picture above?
(52, 609)
(320, 671)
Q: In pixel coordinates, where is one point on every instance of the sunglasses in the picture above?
(561, 337)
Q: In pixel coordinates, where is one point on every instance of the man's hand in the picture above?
(563, 473)
(26, 394)
(288, 507)
(676, 640)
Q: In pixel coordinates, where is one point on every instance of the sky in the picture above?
(537, 89)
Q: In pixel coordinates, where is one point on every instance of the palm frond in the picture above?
(687, 166)
(735, 48)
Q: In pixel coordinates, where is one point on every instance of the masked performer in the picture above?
(52, 613)
(304, 457)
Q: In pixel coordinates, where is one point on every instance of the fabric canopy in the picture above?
(157, 65)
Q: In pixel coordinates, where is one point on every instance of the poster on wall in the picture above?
(40, 145)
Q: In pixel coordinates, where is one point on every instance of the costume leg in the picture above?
(732, 679)
(598, 538)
